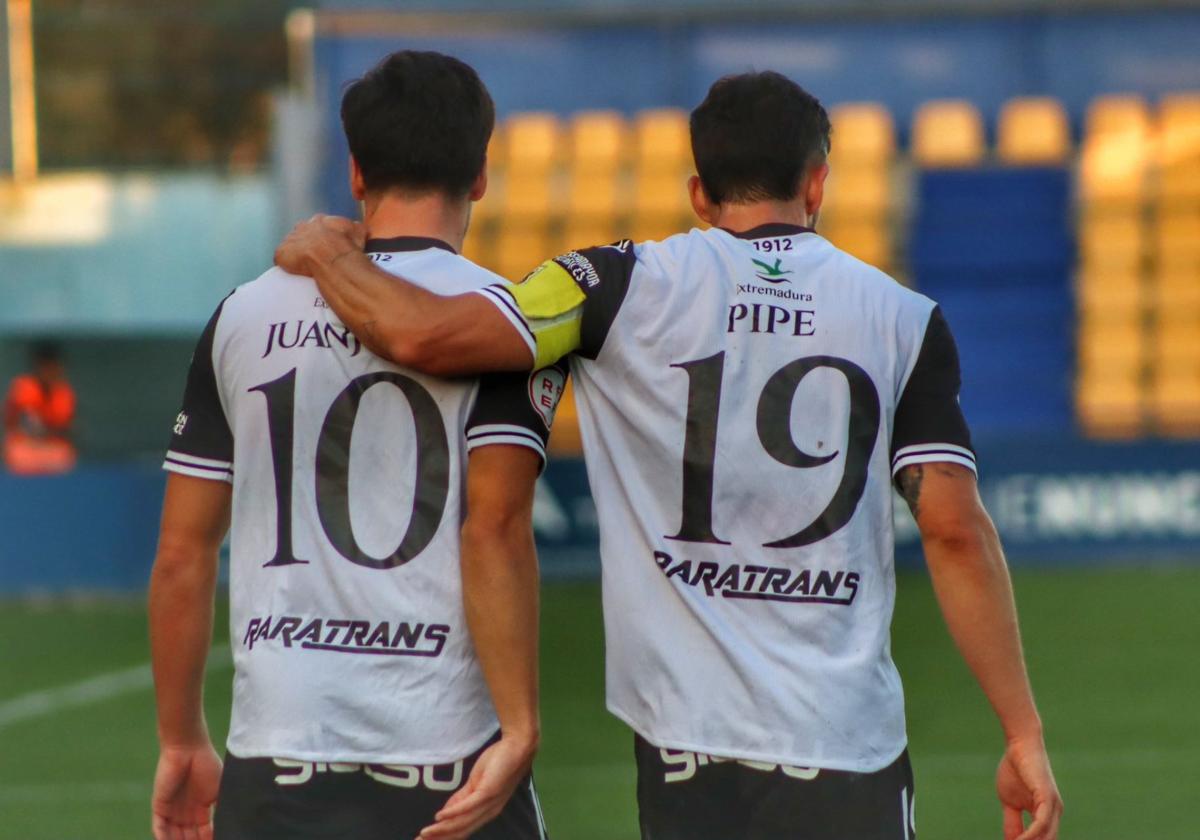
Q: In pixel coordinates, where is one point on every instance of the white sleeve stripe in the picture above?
(199, 467)
(533, 439)
(508, 440)
(184, 458)
(198, 472)
(508, 308)
(918, 448)
(931, 458)
(501, 427)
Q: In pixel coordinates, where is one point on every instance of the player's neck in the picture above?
(743, 217)
(431, 215)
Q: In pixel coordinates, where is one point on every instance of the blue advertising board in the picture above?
(1055, 501)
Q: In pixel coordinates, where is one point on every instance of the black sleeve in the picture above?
(202, 443)
(929, 424)
(517, 409)
(603, 275)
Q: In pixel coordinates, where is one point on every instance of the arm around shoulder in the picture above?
(398, 320)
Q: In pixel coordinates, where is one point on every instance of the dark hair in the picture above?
(755, 135)
(419, 121)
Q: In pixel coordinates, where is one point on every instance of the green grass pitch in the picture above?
(1113, 653)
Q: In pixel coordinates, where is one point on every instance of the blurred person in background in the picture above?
(383, 580)
(38, 414)
(726, 402)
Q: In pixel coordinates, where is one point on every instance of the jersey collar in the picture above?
(406, 243)
(770, 229)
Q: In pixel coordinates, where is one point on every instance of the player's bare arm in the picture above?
(970, 578)
(436, 334)
(182, 587)
(500, 594)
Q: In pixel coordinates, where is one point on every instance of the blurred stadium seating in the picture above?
(1131, 293)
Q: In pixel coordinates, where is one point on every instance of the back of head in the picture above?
(755, 136)
(419, 122)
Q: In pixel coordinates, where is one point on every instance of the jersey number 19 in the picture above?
(774, 432)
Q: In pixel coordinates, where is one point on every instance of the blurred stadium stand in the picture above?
(1038, 174)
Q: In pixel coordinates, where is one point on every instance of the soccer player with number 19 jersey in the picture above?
(747, 396)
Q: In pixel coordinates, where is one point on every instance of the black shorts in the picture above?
(685, 796)
(278, 799)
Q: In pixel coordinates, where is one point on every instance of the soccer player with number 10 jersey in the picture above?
(383, 582)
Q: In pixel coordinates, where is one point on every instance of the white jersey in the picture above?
(744, 403)
(349, 638)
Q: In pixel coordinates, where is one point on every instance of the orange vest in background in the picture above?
(50, 410)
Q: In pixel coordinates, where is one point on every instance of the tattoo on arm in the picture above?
(909, 480)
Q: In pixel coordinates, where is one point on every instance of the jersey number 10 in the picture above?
(333, 468)
(774, 432)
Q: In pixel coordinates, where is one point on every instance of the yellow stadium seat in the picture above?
(599, 142)
(1113, 241)
(857, 192)
(1111, 346)
(948, 132)
(1179, 149)
(564, 436)
(519, 250)
(594, 196)
(1111, 291)
(1116, 150)
(1179, 129)
(1110, 406)
(863, 133)
(1176, 290)
(533, 142)
(870, 241)
(1177, 239)
(662, 140)
(1179, 184)
(1117, 113)
(1033, 130)
(661, 206)
(583, 233)
(1175, 343)
(528, 197)
(656, 228)
(1113, 170)
(1174, 402)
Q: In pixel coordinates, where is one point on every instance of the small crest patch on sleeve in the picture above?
(545, 391)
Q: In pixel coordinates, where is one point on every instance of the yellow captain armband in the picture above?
(552, 303)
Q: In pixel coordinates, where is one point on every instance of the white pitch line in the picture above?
(92, 690)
